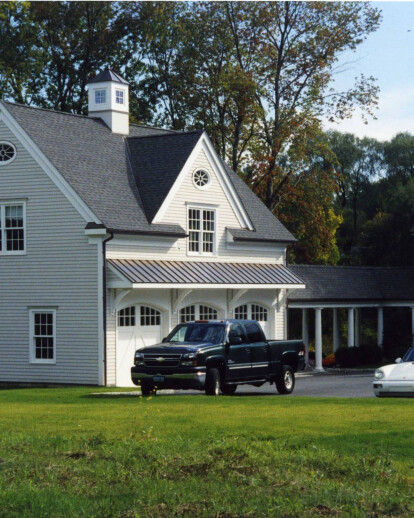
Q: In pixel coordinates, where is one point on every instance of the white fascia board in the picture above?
(231, 194)
(96, 232)
(65, 188)
(200, 286)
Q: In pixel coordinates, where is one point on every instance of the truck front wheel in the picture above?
(147, 389)
(213, 382)
(286, 382)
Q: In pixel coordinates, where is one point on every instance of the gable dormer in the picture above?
(108, 98)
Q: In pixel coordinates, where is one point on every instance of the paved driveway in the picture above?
(314, 385)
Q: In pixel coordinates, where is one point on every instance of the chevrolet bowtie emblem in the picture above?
(160, 359)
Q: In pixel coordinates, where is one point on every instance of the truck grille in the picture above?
(162, 360)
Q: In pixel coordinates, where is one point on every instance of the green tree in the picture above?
(21, 57)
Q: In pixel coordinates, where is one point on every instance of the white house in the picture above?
(111, 234)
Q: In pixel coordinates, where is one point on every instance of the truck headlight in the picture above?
(189, 360)
(139, 359)
(379, 374)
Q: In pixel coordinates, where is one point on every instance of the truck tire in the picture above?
(147, 389)
(213, 382)
(286, 382)
(228, 390)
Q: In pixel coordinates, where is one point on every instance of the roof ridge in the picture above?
(154, 128)
(175, 134)
(50, 110)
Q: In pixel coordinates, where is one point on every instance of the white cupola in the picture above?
(108, 98)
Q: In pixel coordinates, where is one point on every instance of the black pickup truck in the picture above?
(216, 356)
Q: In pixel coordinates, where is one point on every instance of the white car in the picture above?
(397, 379)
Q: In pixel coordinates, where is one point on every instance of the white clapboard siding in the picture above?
(110, 339)
(59, 270)
(177, 214)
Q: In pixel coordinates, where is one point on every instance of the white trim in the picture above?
(32, 354)
(65, 188)
(8, 203)
(15, 152)
(101, 309)
(231, 194)
(95, 231)
(201, 187)
(200, 253)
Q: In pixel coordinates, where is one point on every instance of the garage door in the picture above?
(254, 312)
(138, 326)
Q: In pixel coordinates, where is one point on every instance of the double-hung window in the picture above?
(202, 231)
(12, 228)
(43, 335)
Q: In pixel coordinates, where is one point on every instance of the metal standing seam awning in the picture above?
(196, 274)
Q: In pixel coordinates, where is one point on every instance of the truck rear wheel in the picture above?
(286, 382)
(213, 382)
(228, 390)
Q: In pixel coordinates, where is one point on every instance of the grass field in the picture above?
(65, 452)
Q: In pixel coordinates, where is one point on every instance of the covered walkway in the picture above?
(353, 288)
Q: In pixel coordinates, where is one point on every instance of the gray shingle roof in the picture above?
(354, 283)
(108, 75)
(156, 162)
(95, 162)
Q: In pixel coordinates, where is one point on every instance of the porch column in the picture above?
(412, 326)
(351, 338)
(305, 332)
(357, 326)
(318, 339)
(380, 326)
(336, 343)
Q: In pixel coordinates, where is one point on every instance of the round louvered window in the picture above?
(201, 178)
(7, 152)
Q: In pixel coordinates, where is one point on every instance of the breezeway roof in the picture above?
(353, 284)
(195, 274)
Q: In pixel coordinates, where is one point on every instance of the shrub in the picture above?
(370, 354)
(347, 356)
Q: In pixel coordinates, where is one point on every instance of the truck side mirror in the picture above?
(235, 340)
(398, 360)
(164, 340)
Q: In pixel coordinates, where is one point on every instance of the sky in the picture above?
(387, 55)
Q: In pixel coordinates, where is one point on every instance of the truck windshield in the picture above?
(197, 333)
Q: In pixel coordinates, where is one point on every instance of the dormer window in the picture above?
(202, 231)
(119, 96)
(100, 96)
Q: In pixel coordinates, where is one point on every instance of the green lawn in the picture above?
(64, 453)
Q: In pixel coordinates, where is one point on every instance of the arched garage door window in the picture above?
(197, 312)
(253, 312)
(148, 316)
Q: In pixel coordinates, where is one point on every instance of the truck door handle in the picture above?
(248, 349)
